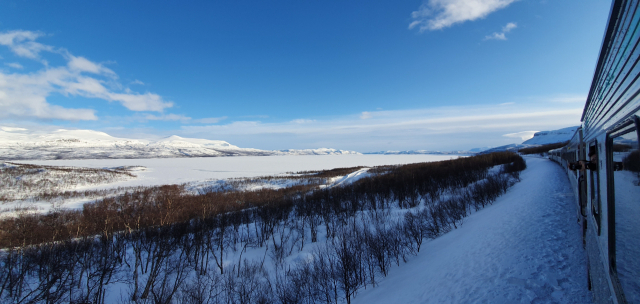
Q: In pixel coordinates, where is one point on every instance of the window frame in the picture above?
(624, 128)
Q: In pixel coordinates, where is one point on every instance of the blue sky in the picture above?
(356, 75)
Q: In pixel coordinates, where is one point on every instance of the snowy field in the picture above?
(162, 171)
(198, 173)
(525, 248)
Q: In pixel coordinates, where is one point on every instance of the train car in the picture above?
(603, 162)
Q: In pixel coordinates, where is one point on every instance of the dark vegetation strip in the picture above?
(167, 246)
(632, 161)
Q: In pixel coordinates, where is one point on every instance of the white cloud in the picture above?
(139, 102)
(25, 95)
(507, 28)
(524, 135)
(365, 115)
(439, 14)
(82, 64)
(501, 36)
(210, 120)
(22, 43)
(14, 65)
(496, 36)
(167, 117)
(435, 128)
(302, 121)
(177, 117)
(137, 82)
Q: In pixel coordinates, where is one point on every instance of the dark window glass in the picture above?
(594, 184)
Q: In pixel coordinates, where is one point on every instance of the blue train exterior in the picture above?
(605, 149)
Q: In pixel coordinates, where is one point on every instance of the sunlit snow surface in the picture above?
(161, 171)
(210, 171)
(525, 248)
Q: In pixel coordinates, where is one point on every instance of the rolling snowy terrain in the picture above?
(412, 152)
(551, 137)
(24, 144)
(538, 139)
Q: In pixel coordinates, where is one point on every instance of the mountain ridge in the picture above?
(25, 144)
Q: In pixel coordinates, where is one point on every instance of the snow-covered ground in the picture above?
(162, 171)
(525, 248)
(198, 173)
(551, 137)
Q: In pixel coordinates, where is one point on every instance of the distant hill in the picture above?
(551, 137)
(413, 152)
(510, 147)
(538, 139)
(24, 144)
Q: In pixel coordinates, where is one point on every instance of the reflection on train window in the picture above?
(594, 185)
(626, 181)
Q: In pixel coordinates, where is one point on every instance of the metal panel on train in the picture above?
(615, 90)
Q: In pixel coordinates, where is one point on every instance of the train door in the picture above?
(623, 203)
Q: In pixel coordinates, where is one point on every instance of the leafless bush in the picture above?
(24, 181)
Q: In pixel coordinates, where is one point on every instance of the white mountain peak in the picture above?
(21, 144)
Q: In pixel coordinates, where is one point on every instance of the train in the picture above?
(602, 161)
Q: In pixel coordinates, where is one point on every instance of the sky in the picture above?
(353, 75)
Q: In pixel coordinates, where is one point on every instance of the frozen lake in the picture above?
(161, 171)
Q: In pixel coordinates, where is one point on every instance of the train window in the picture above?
(594, 185)
(624, 165)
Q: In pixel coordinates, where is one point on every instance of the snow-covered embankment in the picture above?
(525, 248)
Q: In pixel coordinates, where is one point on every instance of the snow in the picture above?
(525, 248)
(351, 177)
(162, 171)
(390, 152)
(551, 137)
(24, 144)
(214, 172)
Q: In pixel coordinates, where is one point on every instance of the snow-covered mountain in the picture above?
(23, 144)
(421, 152)
(551, 137)
(538, 139)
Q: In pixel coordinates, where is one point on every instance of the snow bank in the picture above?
(525, 248)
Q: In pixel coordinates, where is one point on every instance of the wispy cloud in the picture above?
(23, 44)
(366, 115)
(569, 98)
(25, 95)
(435, 128)
(440, 14)
(501, 36)
(166, 117)
(302, 121)
(138, 82)
(14, 65)
(177, 117)
(209, 120)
